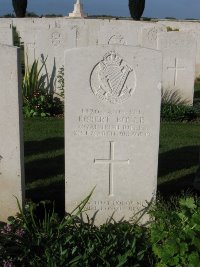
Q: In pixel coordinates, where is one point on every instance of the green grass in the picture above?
(179, 153)
(178, 156)
(44, 158)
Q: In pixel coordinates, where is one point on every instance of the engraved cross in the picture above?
(176, 69)
(111, 161)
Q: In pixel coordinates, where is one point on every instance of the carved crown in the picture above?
(111, 58)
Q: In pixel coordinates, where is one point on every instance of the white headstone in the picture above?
(112, 119)
(11, 145)
(187, 27)
(45, 38)
(179, 53)
(149, 35)
(50, 46)
(6, 33)
(119, 32)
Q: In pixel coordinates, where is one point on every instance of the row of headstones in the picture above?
(112, 120)
(48, 38)
(112, 128)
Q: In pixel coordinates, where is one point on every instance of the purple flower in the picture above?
(20, 232)
(8, 264)
(6, 229)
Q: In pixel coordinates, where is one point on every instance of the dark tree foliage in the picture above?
(20, 8)
(136, 8)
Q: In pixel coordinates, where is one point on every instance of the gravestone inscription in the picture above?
(112, 120)
(11, 145)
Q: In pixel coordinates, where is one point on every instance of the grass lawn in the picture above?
(44, 158)
(178, 156)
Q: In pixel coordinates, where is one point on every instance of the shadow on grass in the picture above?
(44, 168)
(54, 192)
(177, 160)
(43, 146)
(177, 187)
(174, 160)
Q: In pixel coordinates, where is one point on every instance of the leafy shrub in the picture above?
(42, 105)
(33, 81)
(45, 241)
(61, 81)
(37, 100)
(172, 97)
(175, 233)
(38, 237)
(172, 112)
(113, 244)
(174, 108)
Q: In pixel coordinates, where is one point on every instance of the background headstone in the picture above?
(48, 38)
(11, 145)
(149, 35)
(186, 27)
(179, 52)
(112, 119)
(119, 32)
(6, 32)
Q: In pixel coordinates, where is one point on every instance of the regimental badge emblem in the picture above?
(112, 79)
(56, 39)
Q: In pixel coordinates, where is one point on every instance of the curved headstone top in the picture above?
(112, 124)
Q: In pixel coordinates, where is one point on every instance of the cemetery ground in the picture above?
(42, 234)
(171, 239)
(44, 157)
(38, 237)
(47, 240)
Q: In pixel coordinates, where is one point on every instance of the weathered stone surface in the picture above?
(37, 37)
(187, 27)
(179, 51)
(6, 32)
(149, 35)
(112, 120)
(103, 31)
(49, 40)
(119, 32)
(50, 45)
(11, 145)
